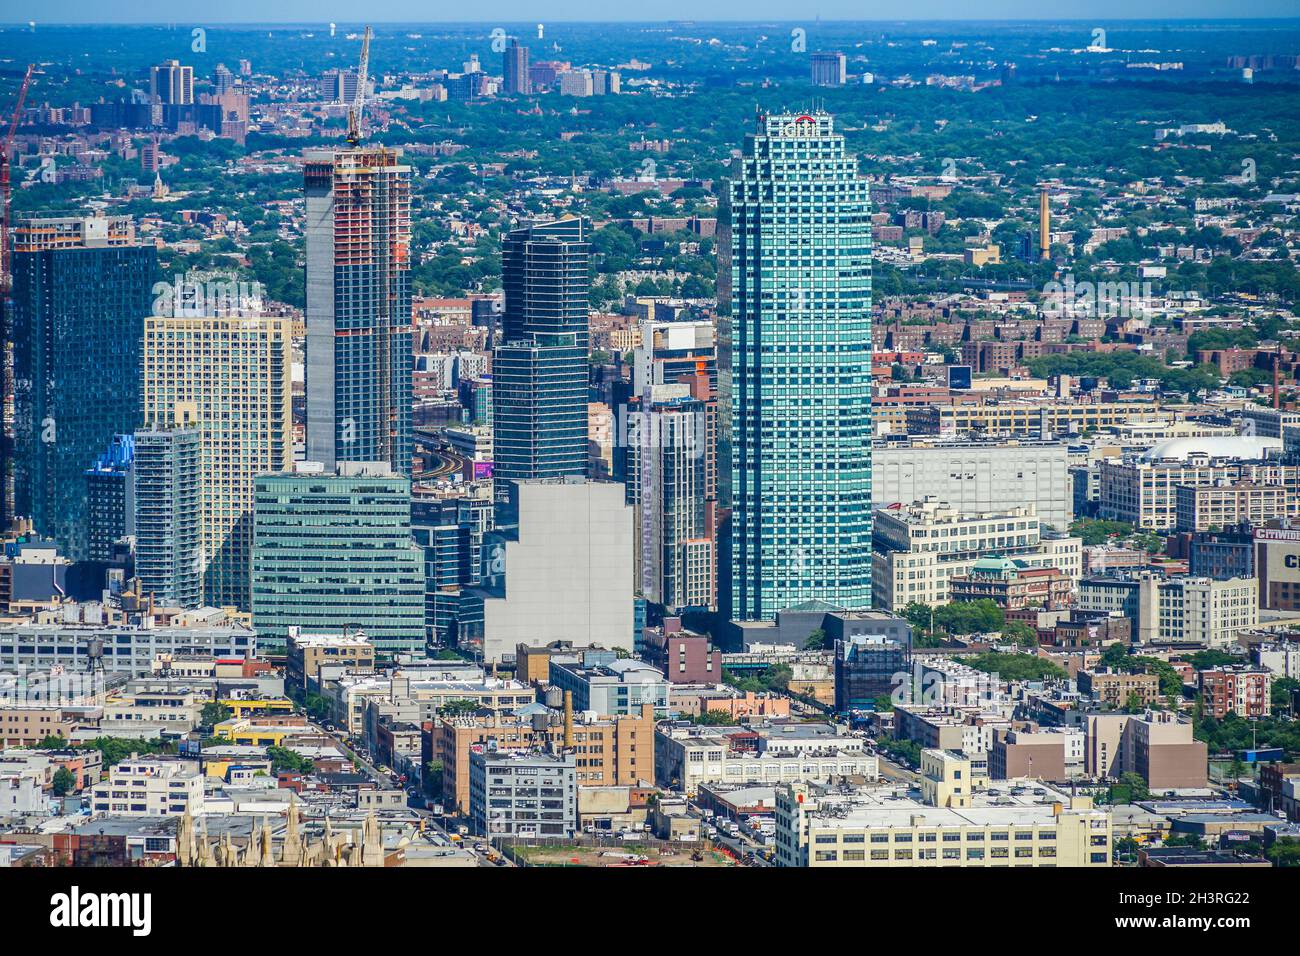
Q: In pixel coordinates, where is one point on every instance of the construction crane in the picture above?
(6, 152)
(359, 101)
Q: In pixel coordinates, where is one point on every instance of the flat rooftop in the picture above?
(890, 807)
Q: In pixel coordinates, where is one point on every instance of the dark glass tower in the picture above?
(110, 507)
(82, 289)
(539, 372)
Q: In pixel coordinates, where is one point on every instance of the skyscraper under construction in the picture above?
(358, 307)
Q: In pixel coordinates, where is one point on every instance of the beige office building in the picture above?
(919, 548)
(608, 751)
(1156, 745)
(1037, 826)
(231, 375)
(1026, 419)
(308, 653)
(951, 778)
(1180, 610)
(1210, 507)
(25, 725)
(1144, 490)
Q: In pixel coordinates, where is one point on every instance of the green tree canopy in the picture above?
(64, 782)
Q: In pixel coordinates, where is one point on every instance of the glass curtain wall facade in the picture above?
(333, 553)
(81, 290)
(539, 372)
(797, 372)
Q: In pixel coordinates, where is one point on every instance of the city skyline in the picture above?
(296, 12)
(776, 445)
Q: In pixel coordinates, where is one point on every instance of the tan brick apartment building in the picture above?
(608, 752)
(28, 726)
(1114, 687)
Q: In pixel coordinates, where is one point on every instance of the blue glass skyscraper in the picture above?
(795, 372)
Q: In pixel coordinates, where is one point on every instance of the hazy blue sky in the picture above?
(507, 11)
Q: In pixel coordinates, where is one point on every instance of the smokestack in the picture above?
(1044, 226)
(568, 719)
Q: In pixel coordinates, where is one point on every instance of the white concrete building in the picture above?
(64, 636)
(152, 710)
(150, 787)
(522, 794)
(1028, 825)
(21, 793)
(1283, 658)
(686, 758)
(1142, 490)
(1177, 610)
(559, 567)
(919, 547)
(976, 476)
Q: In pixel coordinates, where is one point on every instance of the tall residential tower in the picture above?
(231, 376)
(539, 372)
(82, 289)
(514, 70)
(168, 514)
(358, 307)
(795, 381)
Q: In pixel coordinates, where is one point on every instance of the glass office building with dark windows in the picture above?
(795, 375)
(539, 372)
(82, 287)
